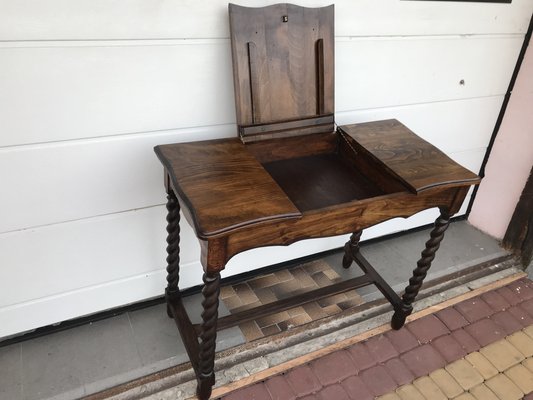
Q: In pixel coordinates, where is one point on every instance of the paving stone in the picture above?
(235, 373)
(361, 357)
(474, 309)
(226, 291)
(399, 372)
(377, 380)
(423, 360)
(336, 392)
(357, 389)
(467, 342)
(303, 381)
(495, 300)
(333, 367)
(504, 388)
(389, 396)
(527, 281)
(446, 383)
(521, 289)
(429, 389)
(482, 392)
(452, 318)
(464, 373)
(508, 295)
(528, 306)
(272, 319)
(482, 365)
(279, 388)
(255, 392)
(314, 311)
(250, 330)
(529, 331)
(12, 375)
(246, 294)
(402, 340)
(522, 377)
(409, 392)
(502, 355)
(521, 315)
(449, 348)
(255, 365)
(427, 328)
(465, 396)
(507, 322)
(522, 342)
(485, 331)
(529, 397)
(528, 364)
(381, 348)
(270, 330)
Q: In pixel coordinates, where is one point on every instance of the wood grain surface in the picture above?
(283, 60)
(223, 185)
(414, 161)
(379, 170)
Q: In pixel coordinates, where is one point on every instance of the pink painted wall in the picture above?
(511, 158)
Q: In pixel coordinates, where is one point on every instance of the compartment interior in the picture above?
(337, 176)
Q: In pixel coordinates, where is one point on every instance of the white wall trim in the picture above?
(12, 44)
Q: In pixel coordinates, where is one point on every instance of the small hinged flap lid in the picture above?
(406, 156)
(282, 69)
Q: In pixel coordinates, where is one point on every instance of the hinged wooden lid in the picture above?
(283, 70)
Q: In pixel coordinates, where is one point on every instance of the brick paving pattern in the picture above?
(283, 284)
(479, 349)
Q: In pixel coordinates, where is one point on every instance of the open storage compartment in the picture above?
(334, 174)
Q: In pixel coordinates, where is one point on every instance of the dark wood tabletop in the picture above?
(223, 185)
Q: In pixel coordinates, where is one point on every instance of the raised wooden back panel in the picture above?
(283, 70)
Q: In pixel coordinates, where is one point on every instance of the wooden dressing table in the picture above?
(292, 174)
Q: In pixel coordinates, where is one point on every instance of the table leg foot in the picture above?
(399, 317)
(205, 386)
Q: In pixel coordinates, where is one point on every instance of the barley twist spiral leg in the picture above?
(208, 335)
(173, 248)
(421, 270)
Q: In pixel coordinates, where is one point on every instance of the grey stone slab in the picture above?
(193, 305)
(66, 361)
(11, 372)
(108, 348)
(229, 338)
(52, 365)
(157, 338)
(463, 245)
(156, 335)
(226, 338)
(255, 365)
